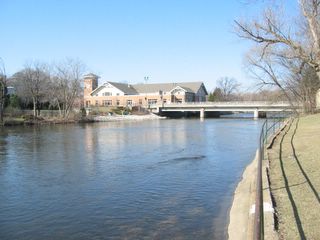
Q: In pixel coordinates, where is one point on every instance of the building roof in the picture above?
(135, 89)
(124, 87)
(90, 75)
(167, 87)
(183, 88)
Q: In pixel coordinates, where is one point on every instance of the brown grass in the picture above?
(295, 178)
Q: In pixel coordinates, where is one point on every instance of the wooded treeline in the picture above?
(228, 89)
(41, 85)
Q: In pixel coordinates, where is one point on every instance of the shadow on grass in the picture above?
(300, 166)
(293, 204)
(292, 185)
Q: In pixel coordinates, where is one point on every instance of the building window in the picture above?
(97, 103)
(88, 103)
(107, 94)
(140, 101)
(118, 102)
(164, 100)
(129, 102)
(107, 102)
(118, 94)
(152, 101)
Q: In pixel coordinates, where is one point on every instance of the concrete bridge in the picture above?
(259, 108)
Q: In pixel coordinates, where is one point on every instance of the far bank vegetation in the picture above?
(40, 86)
(41, 92)
(228, 89)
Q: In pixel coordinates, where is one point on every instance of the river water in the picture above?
(160, 179)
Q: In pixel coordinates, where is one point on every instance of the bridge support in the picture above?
(202, 113)
(262, 114)
(259, 114)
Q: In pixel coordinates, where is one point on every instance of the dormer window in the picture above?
(107, 94)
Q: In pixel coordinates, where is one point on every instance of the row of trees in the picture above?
(228, 89)
(58, 85)
(286, 51)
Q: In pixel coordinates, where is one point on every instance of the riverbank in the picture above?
(240, 223)
(294, 176)
(20, 121)
(292, 171)
(115, 117)
(89, 119)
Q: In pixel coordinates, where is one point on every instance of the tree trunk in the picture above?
(60, 113)
(318, 74)
(38, 107)
(34, 107)
(2, 99)
(1, 109)
(1, 112)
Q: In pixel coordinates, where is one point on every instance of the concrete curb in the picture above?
(241, 221)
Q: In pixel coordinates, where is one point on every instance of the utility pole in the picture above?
(146, 79)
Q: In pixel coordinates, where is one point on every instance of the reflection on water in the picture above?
(122, 180)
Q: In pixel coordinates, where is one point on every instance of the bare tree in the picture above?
(54, 95)
(284, 48)
(66, 84)
(3, 89)
(271, 95)
(269, 70)
(227, 87)
(304, 86)
(276, 35)
(33, 83)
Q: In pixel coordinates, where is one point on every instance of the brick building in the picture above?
(121, 94)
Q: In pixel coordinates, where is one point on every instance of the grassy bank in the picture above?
(295, 179)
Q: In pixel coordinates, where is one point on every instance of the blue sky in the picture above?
(125, 40)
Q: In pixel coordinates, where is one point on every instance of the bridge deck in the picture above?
(202, 107)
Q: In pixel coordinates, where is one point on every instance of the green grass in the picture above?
(295, 179)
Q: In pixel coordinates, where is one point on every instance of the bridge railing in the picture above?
(272, 124)
(259, 103)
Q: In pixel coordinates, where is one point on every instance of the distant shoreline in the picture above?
(10, 122)
(126, 118)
